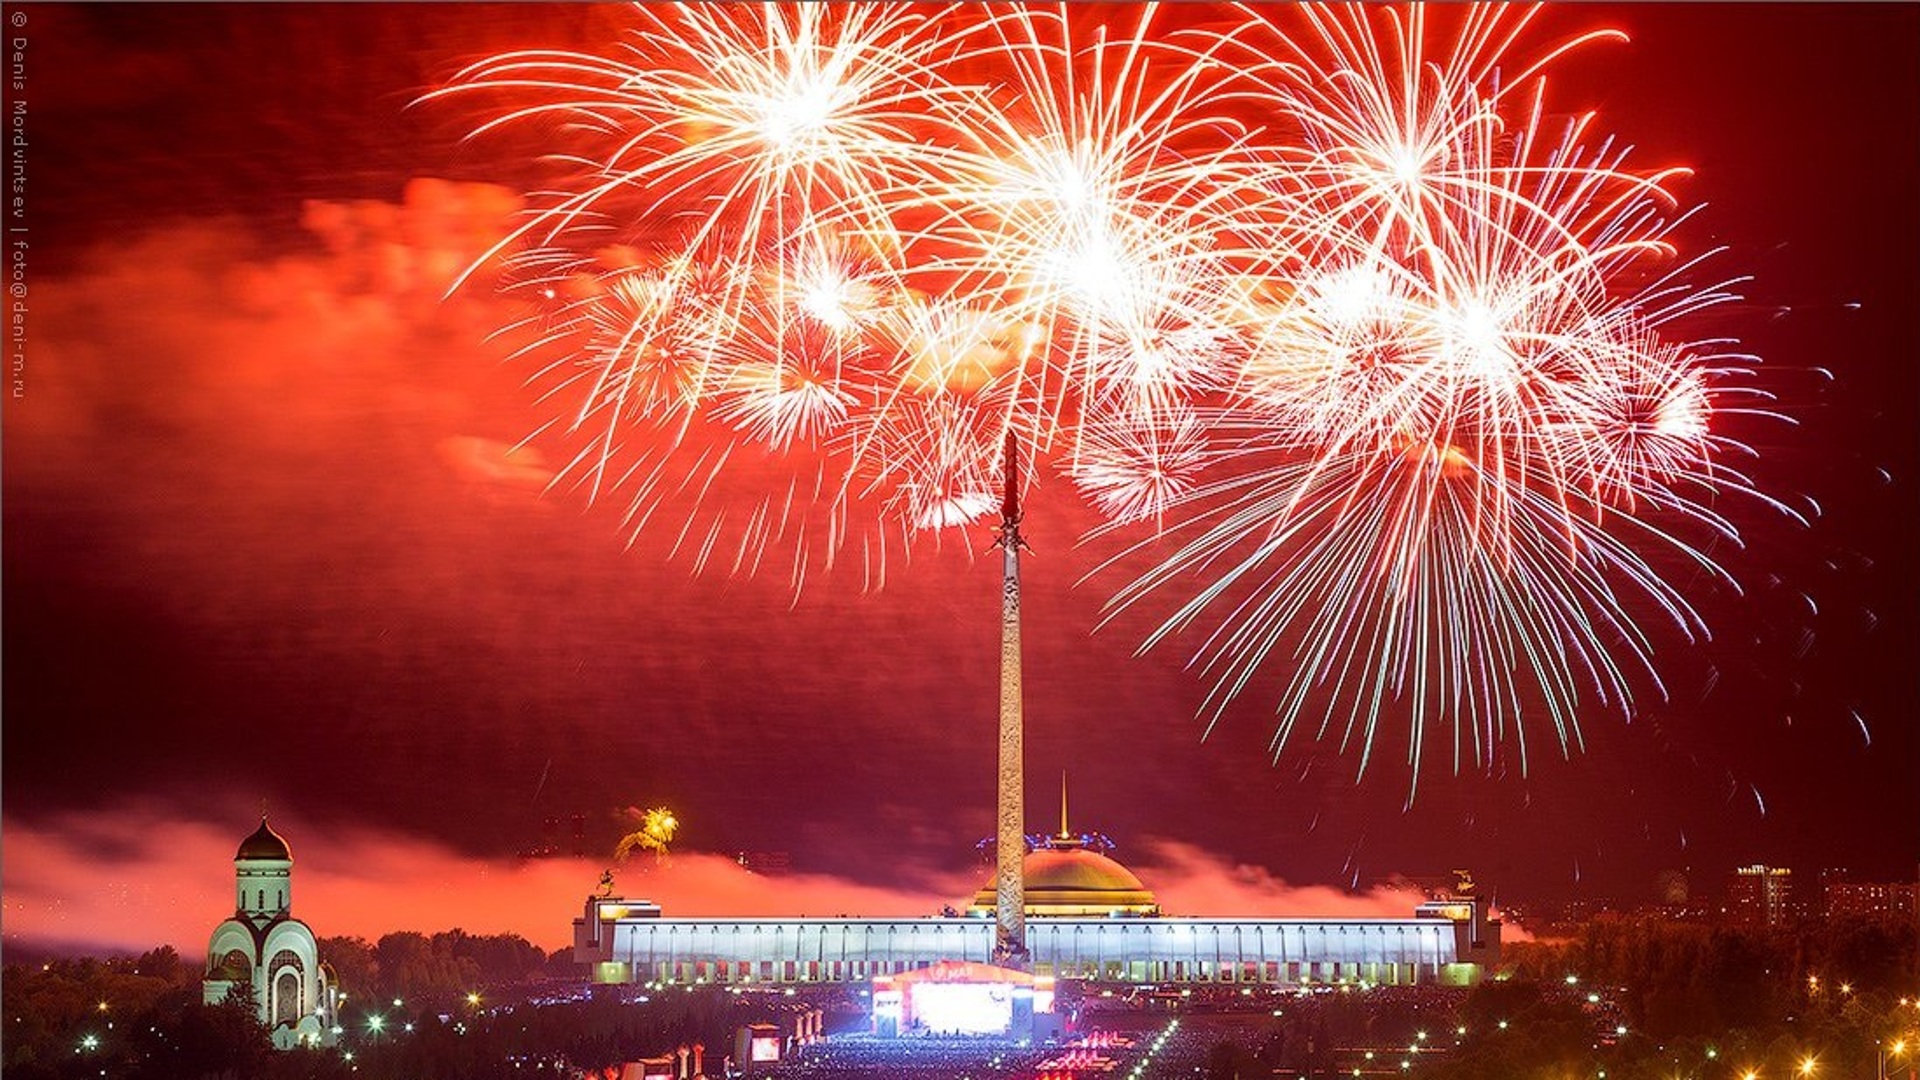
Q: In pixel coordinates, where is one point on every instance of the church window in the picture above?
(289, 983)
(233, 967)
(286, 999)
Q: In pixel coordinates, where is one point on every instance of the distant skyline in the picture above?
(263, 539)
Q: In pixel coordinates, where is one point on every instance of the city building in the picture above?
(267, 955)
(1067, 934)
(1845, 896)
(1760, 895)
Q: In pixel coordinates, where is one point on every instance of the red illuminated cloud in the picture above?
(125, 881)
(1190, 881)
(129, 880)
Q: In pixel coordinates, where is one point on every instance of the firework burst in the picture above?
(1460, 436)
(1385, 354)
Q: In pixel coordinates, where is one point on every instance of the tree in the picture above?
(1516, 1028)
(223, 1038)
(355, 967)
(161, 963)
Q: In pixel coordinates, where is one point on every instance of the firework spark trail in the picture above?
(1458, 437)
(1089, 210)
(728, 230)
(1381, 349)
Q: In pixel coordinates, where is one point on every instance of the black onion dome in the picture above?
(264, 844)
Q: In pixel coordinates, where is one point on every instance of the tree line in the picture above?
(143, 1016)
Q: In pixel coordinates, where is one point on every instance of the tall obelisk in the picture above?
(1010, 845)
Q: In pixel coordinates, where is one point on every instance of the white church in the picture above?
(267, 954)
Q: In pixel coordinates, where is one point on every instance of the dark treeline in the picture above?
(1698, 1001)
(144, 1016)
(597, 1034)
(438, 972)
(1675, 979)
(138, 1017)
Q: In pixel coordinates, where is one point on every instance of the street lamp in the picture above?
(1886, 1055)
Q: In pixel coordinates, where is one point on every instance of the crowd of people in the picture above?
(1312, 1029)
(856, 1057)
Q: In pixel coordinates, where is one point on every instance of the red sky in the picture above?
(131, 879)
(263, 538)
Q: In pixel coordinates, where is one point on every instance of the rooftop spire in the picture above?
(1063, 805)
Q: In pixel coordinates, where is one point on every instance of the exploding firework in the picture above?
(1459, 436)
(1384, 353)
(875, 235)
(655, 833)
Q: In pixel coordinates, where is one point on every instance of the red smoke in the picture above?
(128, 880)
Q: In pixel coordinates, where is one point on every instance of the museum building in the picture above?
(1089, 918)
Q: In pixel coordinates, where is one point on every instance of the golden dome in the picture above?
(1066, 878)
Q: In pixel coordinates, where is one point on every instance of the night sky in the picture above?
(263, 540)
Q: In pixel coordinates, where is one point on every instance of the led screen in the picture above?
(963, 1008)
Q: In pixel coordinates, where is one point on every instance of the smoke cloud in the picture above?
(127, 880)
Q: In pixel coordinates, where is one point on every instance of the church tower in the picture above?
(265, 954)
(263, 877)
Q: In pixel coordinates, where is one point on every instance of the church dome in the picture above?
(264, 844)
(1067, 878)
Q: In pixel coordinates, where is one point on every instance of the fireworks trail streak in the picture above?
(1384, 357)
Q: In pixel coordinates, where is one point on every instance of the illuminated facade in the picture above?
(1872, 899)
(1084, 917)
(1449, 942)
(268, 955)
(1760, 895)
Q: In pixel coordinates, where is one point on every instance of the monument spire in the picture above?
(1010, 845)
(1063, 805)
